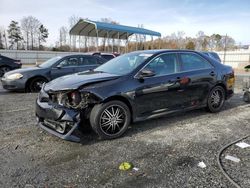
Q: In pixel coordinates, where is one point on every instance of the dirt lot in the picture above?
(166, 151)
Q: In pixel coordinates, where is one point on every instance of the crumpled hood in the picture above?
(74, 81)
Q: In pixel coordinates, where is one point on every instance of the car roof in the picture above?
(166, 50)
(99, 53)
(73, 55)
(107, 54)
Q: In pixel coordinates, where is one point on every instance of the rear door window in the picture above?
(69, 62)
(190, 62)
(88, 60)
(107, 57)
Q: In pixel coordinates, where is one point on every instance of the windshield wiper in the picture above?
(93, 70)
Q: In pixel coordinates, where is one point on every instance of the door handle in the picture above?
(174, 80)
(178, 79)
(212, 73)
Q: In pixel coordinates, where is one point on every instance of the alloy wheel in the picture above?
(112, 120)
(216, 99)
(36, 85)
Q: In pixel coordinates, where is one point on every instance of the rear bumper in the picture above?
(229, 93)
(59, 121)
(18, 66)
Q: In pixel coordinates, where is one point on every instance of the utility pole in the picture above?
(5, 40)
(225, 50)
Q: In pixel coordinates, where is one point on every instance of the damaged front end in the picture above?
(62, 112)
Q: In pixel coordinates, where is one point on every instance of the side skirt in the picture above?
(152, 116)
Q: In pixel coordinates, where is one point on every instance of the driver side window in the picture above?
(164, 64)
(69, 62)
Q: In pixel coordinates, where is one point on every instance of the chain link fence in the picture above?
(236, 59)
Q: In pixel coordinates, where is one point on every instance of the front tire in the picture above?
(35, 84)
(216, 99)
(110, 120)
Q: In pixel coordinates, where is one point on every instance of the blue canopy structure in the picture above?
(108, 30)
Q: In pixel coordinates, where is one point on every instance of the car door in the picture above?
(87, 63)
(66, 66)
(201, 74)
(163, 91)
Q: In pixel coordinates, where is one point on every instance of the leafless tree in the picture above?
(2, 30)
(1, 41)
(63, 35)
(26, 28)
(4, 36)
(199, 42)
(72, 21)
(30, 26)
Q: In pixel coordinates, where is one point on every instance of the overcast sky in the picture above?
(166, 16)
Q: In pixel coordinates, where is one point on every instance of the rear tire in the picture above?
(216, 99)
(3, 70)
(35, 84)
(110, 120)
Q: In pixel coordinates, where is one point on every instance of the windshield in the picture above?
(50, 62)
(124, 64)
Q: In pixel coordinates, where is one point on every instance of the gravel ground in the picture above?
(166, 150)
(239, 172)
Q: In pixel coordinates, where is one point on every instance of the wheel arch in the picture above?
(32, 78)
(122, 99)
(223, 86)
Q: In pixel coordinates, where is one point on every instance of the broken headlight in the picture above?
(73, 99)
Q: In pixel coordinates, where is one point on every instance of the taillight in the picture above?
(231, 80)
(17, 62)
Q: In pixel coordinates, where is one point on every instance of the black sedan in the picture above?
(133, 87)
(31, 79)
(213, 55)
(107, 56)
(8, 64)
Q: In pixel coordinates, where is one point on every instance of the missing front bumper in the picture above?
(68, 136)
(59, 121)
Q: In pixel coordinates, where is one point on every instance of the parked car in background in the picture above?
(133, 87)
(107, 56)
(212, 55)
(31, 79)
(116, 54)
(8, 64)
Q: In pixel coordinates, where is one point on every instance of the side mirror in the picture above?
(59, 66)
(146, 73)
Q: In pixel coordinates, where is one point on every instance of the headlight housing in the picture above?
(72, 99)
(14, 76)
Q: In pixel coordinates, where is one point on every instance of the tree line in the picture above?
(31, 34)
(178, 40)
